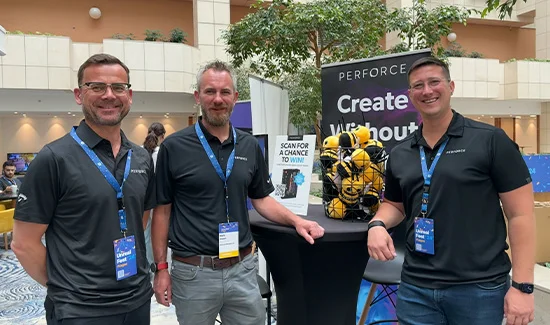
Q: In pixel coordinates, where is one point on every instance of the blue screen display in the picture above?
(539, 168)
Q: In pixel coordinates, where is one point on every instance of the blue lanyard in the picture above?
(428, 175)
(109, 177)
(9, 181)
(216, 164)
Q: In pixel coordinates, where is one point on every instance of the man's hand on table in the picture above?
(310, 230)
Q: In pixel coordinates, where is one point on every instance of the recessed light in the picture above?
(24, 115)
(55, 116)
(141, 116)
(15, 113)
(69, 113)
(532, 116)
(74, 115)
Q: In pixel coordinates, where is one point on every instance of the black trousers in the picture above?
(139, 316)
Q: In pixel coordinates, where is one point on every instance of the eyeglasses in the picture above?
(101, 87)
(432, 83)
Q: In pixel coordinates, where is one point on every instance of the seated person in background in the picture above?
(8, 178)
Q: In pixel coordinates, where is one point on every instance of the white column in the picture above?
(542, 40)
(210, 17)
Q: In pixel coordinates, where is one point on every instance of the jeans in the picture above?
(471, 304)
(199, 294)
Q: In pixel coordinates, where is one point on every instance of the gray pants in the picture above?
(200, 294)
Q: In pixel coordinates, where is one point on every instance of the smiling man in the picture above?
(88, 192)
(204, 175)
(456, 270)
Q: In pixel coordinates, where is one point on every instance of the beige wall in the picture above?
(526, 134)
(522, 131)
(71, 18)
(496, 42)
(238, 12)
(507, 124)
(31, 134)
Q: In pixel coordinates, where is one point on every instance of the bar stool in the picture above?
(385, 274)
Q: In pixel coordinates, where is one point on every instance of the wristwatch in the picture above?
(376, 223)
(155, 267)
(524, 287)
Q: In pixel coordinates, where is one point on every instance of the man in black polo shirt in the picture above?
(205, 173)
(8, 181)
(456, 270)
(88, 192)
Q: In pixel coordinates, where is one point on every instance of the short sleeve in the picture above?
(150, 194)
(261, 185)
(508, 169)
(39, 192)
(392, 190)
(164, 181)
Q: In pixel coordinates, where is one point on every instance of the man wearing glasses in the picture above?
(88, 192)
(456, 270)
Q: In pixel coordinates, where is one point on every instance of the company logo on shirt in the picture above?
(21, 198)
(241, 158)
(138, 171)
(451, 152)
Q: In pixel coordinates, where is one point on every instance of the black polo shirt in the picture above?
(187, 179)
(479, 162)
(66, 191)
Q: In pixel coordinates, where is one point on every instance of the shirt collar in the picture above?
(210, 137)
(455, 129)
(92, 139)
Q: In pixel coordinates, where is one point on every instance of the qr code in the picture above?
(120, 274)
(280, 190)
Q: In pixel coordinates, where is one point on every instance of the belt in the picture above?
(214, 262)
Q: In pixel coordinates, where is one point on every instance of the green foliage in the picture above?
(124, 36)
(528, 59)
(422, 28)
(304, 92)
(476, 55)
(504, 10)
(288, 41)
(243, 85)
(153, 35)
(284, 34)
(454, 50)
(177, 35)
(18, 32)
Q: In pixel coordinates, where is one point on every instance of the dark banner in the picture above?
(371, 92)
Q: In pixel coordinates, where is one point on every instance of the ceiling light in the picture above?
(24, 115)
(532, 116)
(15, 113)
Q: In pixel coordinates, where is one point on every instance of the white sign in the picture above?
(291, 173)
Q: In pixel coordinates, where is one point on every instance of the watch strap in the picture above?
(162, 266)
(376, 223)
(523, 287)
